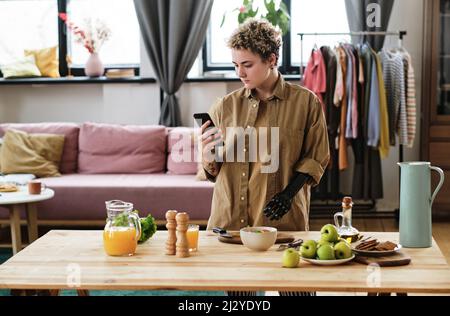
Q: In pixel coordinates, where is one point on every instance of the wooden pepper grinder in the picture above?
(182, 226)
(171, 228)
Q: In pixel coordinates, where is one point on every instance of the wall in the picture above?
(139, 103)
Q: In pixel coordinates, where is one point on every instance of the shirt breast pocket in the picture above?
(291, 144)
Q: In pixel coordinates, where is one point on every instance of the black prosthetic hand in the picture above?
(281, 203)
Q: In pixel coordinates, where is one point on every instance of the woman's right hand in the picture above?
(210, 137)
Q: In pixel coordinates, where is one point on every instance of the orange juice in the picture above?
(192, 237)
(120, 241)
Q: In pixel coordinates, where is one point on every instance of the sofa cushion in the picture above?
(181, 147)
(82, 196)
(70, 131)
(38, 154)
(109, 148)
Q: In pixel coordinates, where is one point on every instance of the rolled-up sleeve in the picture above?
(315, 151)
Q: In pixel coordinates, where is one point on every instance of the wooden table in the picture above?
(64, 259)
(13, 201)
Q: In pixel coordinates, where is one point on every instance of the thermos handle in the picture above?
(441, 182)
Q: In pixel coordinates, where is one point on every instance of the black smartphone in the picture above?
(203, 117)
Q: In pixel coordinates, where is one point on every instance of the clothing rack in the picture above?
(400, 35)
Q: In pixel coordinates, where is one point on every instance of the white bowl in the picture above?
(258, 238)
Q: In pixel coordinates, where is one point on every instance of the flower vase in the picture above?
(94, 66)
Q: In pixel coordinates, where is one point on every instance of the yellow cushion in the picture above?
(38, 154)
(46, 60)
(23, 67)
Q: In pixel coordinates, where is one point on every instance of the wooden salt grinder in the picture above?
(171, 228)
(182, 226)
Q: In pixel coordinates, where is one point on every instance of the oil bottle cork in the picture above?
(347, 202)
(182, 226)
(171, 229)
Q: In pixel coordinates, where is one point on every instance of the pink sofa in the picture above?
(138, 164)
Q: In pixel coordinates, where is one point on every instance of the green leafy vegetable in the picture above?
(148, 227)
(121, 220)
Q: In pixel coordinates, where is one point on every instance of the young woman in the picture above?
(245, 193)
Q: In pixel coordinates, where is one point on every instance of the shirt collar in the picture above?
(279, 91)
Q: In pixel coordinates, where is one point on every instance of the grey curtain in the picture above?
(173, 32)
(357, 15)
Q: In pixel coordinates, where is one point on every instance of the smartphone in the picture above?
(204, 117)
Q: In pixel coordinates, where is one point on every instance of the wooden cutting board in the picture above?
(398, 259)
(281, 238)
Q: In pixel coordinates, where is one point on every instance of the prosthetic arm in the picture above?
(281, 203)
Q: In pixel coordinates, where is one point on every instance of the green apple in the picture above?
(342, 250)
(322, 242)
(291, 258)
(329, 233)
(326, 252)
(308, 249)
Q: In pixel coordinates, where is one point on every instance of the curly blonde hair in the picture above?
(257, 35)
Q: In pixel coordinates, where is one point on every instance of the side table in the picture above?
(13, 201)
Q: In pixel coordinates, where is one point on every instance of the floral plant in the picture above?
(278, 17)
(92, 35)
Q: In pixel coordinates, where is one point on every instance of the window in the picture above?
(218, 54)
(27, 24)
(318, 16)
(34, 24)
(123, 47)
(307, 16)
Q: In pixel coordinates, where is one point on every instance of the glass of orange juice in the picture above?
(192, 237)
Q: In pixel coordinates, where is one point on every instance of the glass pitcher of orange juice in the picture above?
(122, 230)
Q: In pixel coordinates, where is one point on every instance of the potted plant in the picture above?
(277, 16)
(92, 36)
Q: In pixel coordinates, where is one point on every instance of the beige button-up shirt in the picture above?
(242, 189)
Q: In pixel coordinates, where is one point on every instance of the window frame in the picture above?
(285, 68)
(62, 44)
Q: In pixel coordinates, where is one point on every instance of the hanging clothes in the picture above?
(315, 75)
(358, 143)
(384, 119)
(329, 185)
(370, 184)
(352, 111)
(410, 86)
(373, 128)
(393, 69)
(339, 88)
(410, 99)
(342, 142)
(365, 107)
